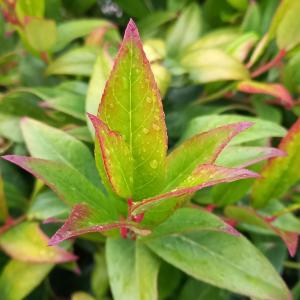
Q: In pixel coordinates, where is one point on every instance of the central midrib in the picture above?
(130, 102)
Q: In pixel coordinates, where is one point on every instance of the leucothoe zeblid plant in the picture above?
(143, 204)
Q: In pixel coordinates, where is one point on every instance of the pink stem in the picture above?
(270, 64)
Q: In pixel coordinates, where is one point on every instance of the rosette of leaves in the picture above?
(143, 207)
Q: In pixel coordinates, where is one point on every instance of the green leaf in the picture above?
(287, 34)
(78, 61)
(136, 8)
(223, 260)
(35, 32)
(3, 203)
(18, 279)
(53, 144)
(152, 23)
(249, 216)
(186, 29)
(26, 242)
(260, 130)
(209, 65)
(82, 296)
(47, 205)
(32, 8)
(132, 270)
(242, 156)
(185, 220)
(71, 30)
(204, 175)
(68, 97)
(66, 182)
(194, 289)
(131, 106)
(203, 148)
(99, 278)
(219, 38)
(280, 173)
(102, 68)
(116, 157)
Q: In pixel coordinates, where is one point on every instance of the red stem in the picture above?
(262, 69)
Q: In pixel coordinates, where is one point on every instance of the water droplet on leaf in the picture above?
(153, 164)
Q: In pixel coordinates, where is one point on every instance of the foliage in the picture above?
(164, 208)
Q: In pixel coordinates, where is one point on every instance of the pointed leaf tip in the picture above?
(131, 31)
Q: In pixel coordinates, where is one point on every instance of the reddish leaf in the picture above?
(203, 176)
(116, 158)
(203, 148)
(250, 216)
(273, 89)
(83, 220)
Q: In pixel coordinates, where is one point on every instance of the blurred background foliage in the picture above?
(215, 62)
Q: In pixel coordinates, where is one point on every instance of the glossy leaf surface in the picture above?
(117, 159)
(203, 148)
(244, 269)
(203, 176)
(131, 106)
(132, 270)
(68, 183)
(53, 144)
(261, 128)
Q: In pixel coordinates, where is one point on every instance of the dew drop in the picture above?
(149, 100)
(145, 130)
(156, 127)
(153, 164)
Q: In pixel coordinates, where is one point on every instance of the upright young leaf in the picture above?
(281, 172)
(132, 270)
(131, 105)
(116, 158)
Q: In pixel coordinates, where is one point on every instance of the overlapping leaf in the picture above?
(280, 173)
(250, 216)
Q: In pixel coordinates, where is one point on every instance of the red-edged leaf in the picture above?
(131, 105)
(203, 176)
(203, 148)
(66, 182)
(84, 220)
(274, 89)
(250, 216)
(26, 242)
(280, 173)
(116, 158)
